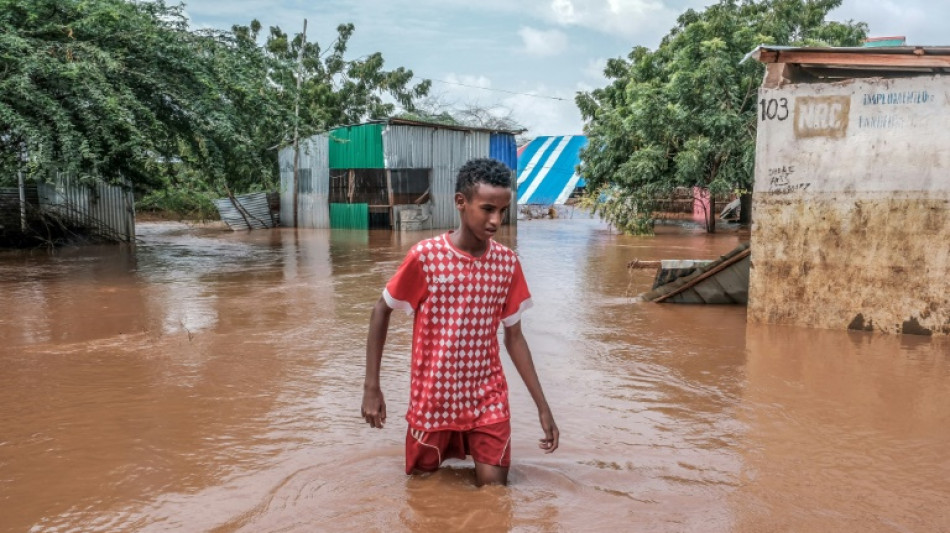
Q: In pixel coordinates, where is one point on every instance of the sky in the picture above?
(527, 56)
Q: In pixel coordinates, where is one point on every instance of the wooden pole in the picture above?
(389, 189)
(22, 188)
(638, 264)
(303, 44)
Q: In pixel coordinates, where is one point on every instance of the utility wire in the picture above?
(500, 90)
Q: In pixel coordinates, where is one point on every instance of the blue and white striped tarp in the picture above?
(546, 169)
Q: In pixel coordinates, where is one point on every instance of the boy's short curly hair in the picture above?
(482, 170)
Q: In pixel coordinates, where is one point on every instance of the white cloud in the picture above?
(595, 69)
(543, 115)
(919, 23)
(474, 38)
(623, 18)
(563, 11)
(468, 79)
(542, 43)
(461, 90)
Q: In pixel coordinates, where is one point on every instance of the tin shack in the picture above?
(547, 169)
(397, 174)
(851, 204)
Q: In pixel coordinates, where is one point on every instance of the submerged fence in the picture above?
(99, 209)
(67, 208)
(15, 217)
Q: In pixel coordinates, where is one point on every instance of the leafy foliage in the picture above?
(187, 196)
(621, 208)
(684, 114)
(334, 90)
(112, 89)
(123, 90)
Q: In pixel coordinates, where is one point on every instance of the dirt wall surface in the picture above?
(852, 206)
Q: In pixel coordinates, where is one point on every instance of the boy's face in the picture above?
(483, 212)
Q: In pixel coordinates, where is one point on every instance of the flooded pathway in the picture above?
(211, 381)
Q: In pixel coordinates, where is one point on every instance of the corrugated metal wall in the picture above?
(395, 147)
(357, 146)
(349, 216)
(285, 161)
(502, 147)
(314, 184)
(105, 210)
(442, 150)
(247, 211)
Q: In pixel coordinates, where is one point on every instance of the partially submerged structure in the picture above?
(547, 169)
(256, 210)
(721, 281)
(65, 209)
(851, 209)
(388, 174)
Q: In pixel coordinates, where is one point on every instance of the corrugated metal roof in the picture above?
(547, 169)
(395, 121)
(357, 146)
(456, 127)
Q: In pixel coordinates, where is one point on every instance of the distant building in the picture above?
(879, 42)
(388, 174)
(547, 169)
(851, 209)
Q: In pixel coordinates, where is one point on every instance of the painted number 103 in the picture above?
(774, 108)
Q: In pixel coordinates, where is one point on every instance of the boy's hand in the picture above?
(551, 434)
(374, 407)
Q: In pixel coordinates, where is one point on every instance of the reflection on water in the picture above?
(210, 380)
(844, 432)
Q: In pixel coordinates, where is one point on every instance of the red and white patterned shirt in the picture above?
(458, 299)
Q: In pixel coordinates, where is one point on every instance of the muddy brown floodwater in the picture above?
(211, 381)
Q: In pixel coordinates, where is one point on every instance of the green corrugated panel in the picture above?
(881, 42)
(357, 146)
(349, 216)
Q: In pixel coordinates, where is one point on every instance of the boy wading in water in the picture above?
(460, 285)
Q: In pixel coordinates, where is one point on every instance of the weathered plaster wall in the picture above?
(851, 207)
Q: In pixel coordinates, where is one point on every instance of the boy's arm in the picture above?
(374, 406)
(521, 356)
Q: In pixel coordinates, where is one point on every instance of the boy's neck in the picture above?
(465, 241)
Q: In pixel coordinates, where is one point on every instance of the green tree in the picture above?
(124, 90)
(109, 89)
(260, 84)
(684, 115)
(334, 90)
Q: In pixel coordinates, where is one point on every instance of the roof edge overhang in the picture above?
(435, 125)
(923, 59)
(407, 122)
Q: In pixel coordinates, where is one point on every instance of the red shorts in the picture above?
(489, 444)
